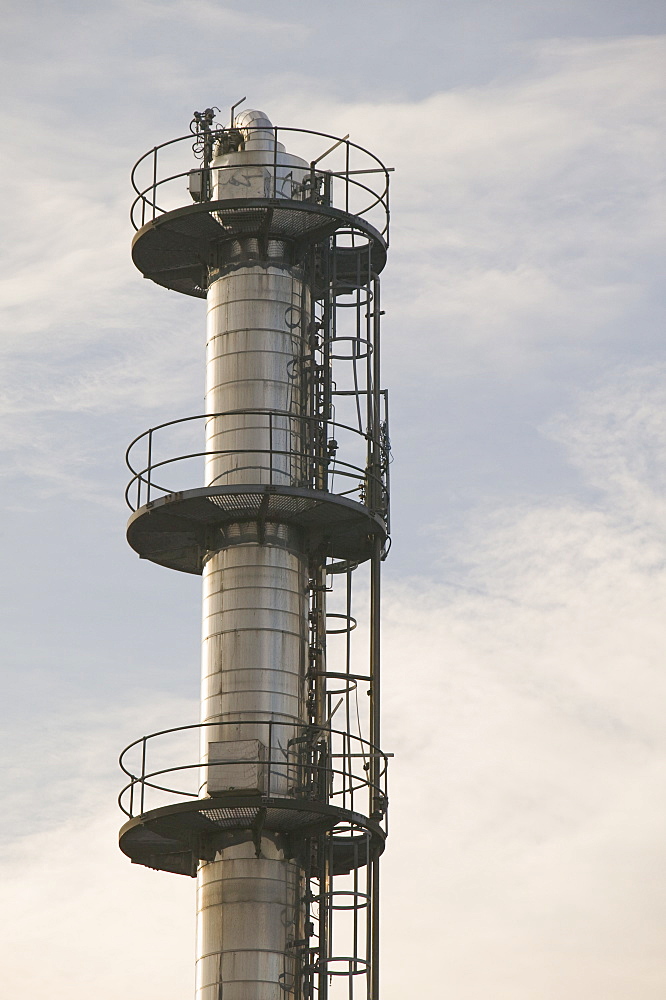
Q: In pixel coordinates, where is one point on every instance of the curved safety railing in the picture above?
(354, 179)
(160, 458)
(297, 761)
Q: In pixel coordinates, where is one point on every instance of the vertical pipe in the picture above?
(375, 564)
(375, 739)
(374, 922)
(319, 641)
(375, 625)
(324, 922)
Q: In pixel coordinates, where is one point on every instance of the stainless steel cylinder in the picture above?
(248, 918)
(256, 315)
(262, 169)
(255, 631)
(255, 610)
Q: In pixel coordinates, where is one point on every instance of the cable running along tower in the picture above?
(278, 496)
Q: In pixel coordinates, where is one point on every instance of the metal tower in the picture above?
(278, 496)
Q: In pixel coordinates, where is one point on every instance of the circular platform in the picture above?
(176, 248)
(180, 529)
(175, 838)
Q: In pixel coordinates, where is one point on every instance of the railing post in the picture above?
(388, 210)
(154, 180)
(347, 176)
(143, 775)
(269, 776)
(275, 145)
(150, 462)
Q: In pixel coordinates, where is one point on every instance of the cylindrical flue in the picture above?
(254, 659)
(248, 915)
(256, 318)
(255, 625)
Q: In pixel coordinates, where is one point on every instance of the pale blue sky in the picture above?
(523, 348)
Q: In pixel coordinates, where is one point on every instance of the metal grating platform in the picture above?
(175, 838)
(180, 529)
(176, 248)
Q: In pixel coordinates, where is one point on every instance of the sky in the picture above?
(524, 627)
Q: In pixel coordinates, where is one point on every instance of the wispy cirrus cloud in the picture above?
(526, 691)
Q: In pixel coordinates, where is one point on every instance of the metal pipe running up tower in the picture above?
(276, 800)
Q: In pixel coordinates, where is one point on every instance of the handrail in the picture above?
(315, 464)
(146, 194)
(277, 129)
(310, 728)
(332, 777)
(316, 770)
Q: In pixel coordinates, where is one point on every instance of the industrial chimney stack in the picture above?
(278, 496)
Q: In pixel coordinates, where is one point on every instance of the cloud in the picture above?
(524, 689)
(83, 911)
(523, 209)
(527, 213)
(214, 17)
(202, 14)
(78, 918)
(524, 697)
(538, 204)
(524, 213)
(616, 436)
(526, 220)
